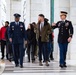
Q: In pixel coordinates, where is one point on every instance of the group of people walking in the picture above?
(37, 40)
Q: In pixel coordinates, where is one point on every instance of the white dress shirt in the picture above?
(41, 25)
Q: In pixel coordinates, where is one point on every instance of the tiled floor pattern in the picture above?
(35, 69)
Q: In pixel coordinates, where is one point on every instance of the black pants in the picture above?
(9, 50)
(18, 53)
(40, 49)
(45, 51)
(31, 49)
(3, 44)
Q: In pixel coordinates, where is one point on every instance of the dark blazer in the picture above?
(65, 31)
(17, 32)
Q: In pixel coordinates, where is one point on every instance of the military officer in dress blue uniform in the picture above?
(65, 35)
(16, 36)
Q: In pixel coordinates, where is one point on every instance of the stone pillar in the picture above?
(46, 8)
(2, 12)
(8, 5)
(73, 19)
(40, 7)
(26, 6)
(28, 12)
(35, 7)
(15, 8)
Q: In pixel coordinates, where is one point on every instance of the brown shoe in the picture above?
(47, 64)
(40, 63)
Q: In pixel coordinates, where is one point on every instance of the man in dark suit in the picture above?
(65, 35)
(16, 37)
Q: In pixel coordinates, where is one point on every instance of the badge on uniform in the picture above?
(67, 24)
(21, 26)
(12, 27)
(59, 25)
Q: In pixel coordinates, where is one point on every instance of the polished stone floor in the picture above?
(8, 68)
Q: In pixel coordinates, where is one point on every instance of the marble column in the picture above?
(36, 8)
(73, 19)
(40, 7)
(2, 12)
(8, 5)
(15, 8)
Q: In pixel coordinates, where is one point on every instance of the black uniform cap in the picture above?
(63, 13)
(17, 15)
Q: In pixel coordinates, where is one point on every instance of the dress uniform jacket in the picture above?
(65, 31)
(17, 32)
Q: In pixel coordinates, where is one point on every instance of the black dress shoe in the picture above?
(9, 60)
(16, 65)
(33, 61)
(21, 66)
(28, 60)
(62, 66)
(2, 58)
(65, 65)
(44, 61)
(7, 57)
(51, 58)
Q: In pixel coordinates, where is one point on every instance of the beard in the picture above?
(39, 21)
(6, 26)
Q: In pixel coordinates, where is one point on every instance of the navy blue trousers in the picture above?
(43, 50)
(63, 52)
(40, 49)
(50, 48)
(18, 53)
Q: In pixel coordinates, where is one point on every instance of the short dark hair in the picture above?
(33, 23)
(46, 19)
(41, 15)
(32, 28)
(7, 22)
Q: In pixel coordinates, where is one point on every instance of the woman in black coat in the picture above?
(31, 37)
